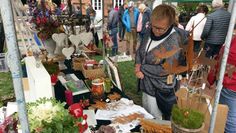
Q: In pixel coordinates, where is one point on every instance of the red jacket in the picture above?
(228, 82)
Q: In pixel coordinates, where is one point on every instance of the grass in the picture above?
(6, 87)
(187, 118)
(128, 79)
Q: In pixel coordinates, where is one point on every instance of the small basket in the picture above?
(3, 63)
(77, 63)
(93, 73)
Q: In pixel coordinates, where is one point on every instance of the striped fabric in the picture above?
(216, 27)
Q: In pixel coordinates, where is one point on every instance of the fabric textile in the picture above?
(197, 32)
(131, 37)
(228, 82)
(154, 82)
(212, 49)
(126, 19)
(228, 97)
(216, 27)
(132, 20)
(121, 31)
(139, 25)
(113, 19)
(113, 35)
(197, 46)
(146, 20)
(150, 104)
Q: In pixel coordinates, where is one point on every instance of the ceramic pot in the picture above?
(178, 129)
(50, 46)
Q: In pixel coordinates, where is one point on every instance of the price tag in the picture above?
(170, 79)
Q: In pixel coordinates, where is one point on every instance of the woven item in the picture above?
(77, 63)
(179, 129)
(93, 73)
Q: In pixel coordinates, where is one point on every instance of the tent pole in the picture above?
(231, 3)
(222, 68)
(14, 60)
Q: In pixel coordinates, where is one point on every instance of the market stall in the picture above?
(67, 91)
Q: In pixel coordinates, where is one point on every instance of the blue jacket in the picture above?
(126, 19)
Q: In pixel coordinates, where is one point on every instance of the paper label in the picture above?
(170, 79)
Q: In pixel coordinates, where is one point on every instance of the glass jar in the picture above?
(97, 88)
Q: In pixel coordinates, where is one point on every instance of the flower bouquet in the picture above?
(44, 19)
(50, 116)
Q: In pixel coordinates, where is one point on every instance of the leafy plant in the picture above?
(51, 67)
(44, 18)
(187, 118)
(50, 116)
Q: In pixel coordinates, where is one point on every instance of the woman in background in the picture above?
(198, 22)
(156, 83)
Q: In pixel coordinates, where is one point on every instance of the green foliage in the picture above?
(50, 116)
(6, 86)
(1, 104)
(187, 118)
(52, 68)
(129, 81)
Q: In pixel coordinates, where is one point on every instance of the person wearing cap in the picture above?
(130, 19)
(143, 21)
(215, 29)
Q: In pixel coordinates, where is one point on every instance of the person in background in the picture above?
(121, 24)
(78, 12)
(157, 84)
(198, 22)
(228, 92)
(116, 8)
(138, 3)
(2, 35)
(143, 21)
(130, 19)
(215, 29)
(113, 20)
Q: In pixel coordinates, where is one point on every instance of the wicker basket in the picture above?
(93, 73)
(178, 129)
(77, 63)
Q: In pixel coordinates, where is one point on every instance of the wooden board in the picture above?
(25, 84)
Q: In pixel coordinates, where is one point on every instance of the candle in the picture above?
(69, 97)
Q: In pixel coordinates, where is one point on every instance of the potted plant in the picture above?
(50, 116)
(45, 22)
(53, 70)
(186, 120)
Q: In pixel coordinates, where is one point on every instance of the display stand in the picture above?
(39, 81)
